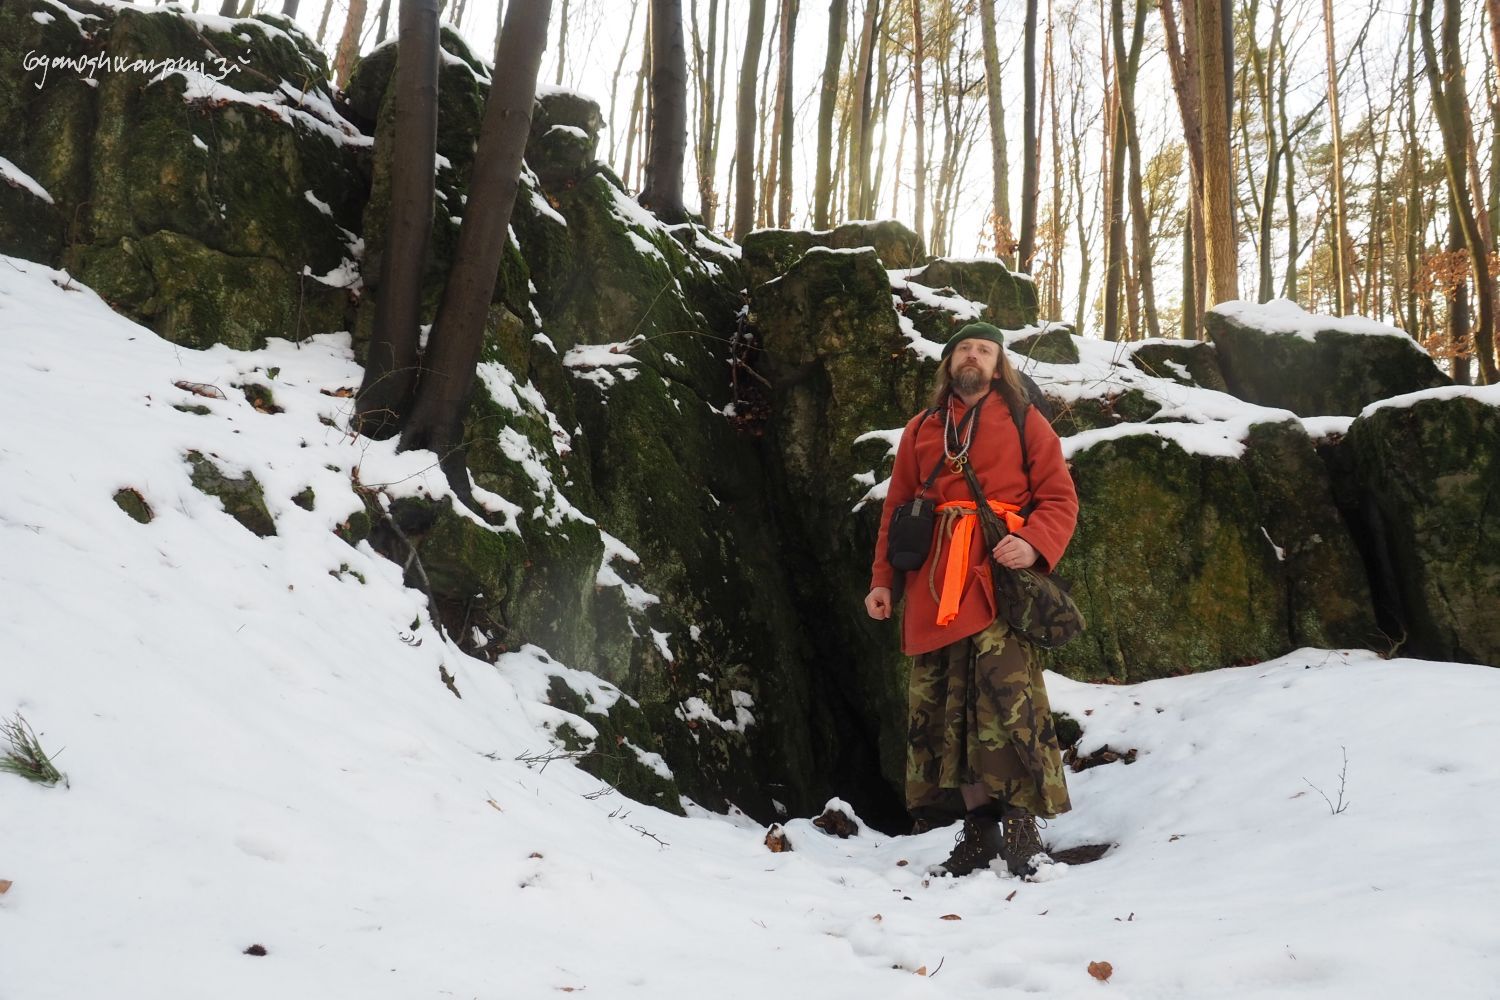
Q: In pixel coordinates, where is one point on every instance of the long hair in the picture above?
(1007, 382)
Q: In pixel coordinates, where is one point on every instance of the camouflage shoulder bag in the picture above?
(1036, 606)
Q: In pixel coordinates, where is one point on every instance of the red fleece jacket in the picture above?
(995, 457)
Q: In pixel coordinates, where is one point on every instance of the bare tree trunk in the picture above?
(859, 109)
(1448, 97)
(1457, 294)
(838, 12)
(289, 9)
(880, 110)
(1265, 69)
(1411, 167)
(562, 42)
(1058, 223)
(1341, 256)
(1182, 59)
(1218, 170)
(458, 331)
(1027, 246)
(1114, 247)
(668, 143)
(614, 86)
(348, 50)
(323, 22)
(1139, 221)
(704, 121)
(785, 112)
(768, 133)
(999, 167)
(637, 111)
(919, 100)
(744, 150)
(382, 20)
(391, 365)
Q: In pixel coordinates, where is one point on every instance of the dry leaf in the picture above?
(200, 389)
(776, 840)
(1101, 971)
(1012, 895)
(1175, 836)
(901, 863)
(877, 918)
(950, 916)
(5, 885)
(922, 971)
(535, 854)
(495, 805)
(342, 393)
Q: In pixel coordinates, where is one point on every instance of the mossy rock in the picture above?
(1186, 362)
(131, 502)
(1331, 373)
(1053, 347)
(241, 496)
(609, 756)
(1328, 592)
(840, 365)
(893, 242)
(1168, 565)
(564, 137)
(30, 227)
(1010, 300)
(1431, 470)
(768, 253)
(196, 296)
(1094, 412)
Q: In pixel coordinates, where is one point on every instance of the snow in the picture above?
(1320, 428)
(16, 177)
(1286, 316)
(260, 751)
(308, 109)
(637, 598)
(1489, 395)
(313, 200)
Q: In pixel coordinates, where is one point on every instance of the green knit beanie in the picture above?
(975, 331)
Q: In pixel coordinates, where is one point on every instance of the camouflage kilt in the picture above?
(978, 713)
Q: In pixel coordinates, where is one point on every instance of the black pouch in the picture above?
(909, 539)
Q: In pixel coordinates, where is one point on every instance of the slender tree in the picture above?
(1214, 56)
(614, 80)
(1182, 59)
(744, 150)
(999, 167)
(838, 13)
(1449, 99)
(348, 51)
(1342, 257)
(391, 366)
(562, 42)
(1027, 245)
(457, 337)
(859, 110)
(919, 98)
(668, 135)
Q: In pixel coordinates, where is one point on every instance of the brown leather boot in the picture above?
(979, 843)
(1022, 845)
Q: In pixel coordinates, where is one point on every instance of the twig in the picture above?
(1335, 808)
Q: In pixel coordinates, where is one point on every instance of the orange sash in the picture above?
(959, 547)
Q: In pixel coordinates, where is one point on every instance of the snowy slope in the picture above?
(260, 751)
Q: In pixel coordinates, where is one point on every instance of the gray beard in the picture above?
(968, 381)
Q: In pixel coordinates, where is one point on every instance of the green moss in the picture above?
(1200, 360)
(610, 756)
(1010, 300)
(1335, 373)
(1053, 347)
(1432, 471)
(1168, 565)
(242, 497)
(132, 503)
(306, 499)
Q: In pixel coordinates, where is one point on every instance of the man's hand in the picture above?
(878, 603)
(1013, 552)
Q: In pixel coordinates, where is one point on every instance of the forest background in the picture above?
(1071, 138)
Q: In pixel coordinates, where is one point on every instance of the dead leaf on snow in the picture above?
(5, 885)
(950, 916)
(1101, 971)
(922, 970)
(1012, 895)
(877, 918)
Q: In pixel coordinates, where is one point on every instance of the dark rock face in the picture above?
(1186, 362)
(769, 253)
(1332, 373)
(241, 496)
(191, 210)
(1185, 562)
(1431, 475)
(1053, 347)
(1009, 299)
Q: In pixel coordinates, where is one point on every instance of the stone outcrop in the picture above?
(1277, 355)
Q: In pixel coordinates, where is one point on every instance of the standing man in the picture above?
(979, 717)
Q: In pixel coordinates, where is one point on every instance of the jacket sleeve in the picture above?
(1050, 527)
(903, 486)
